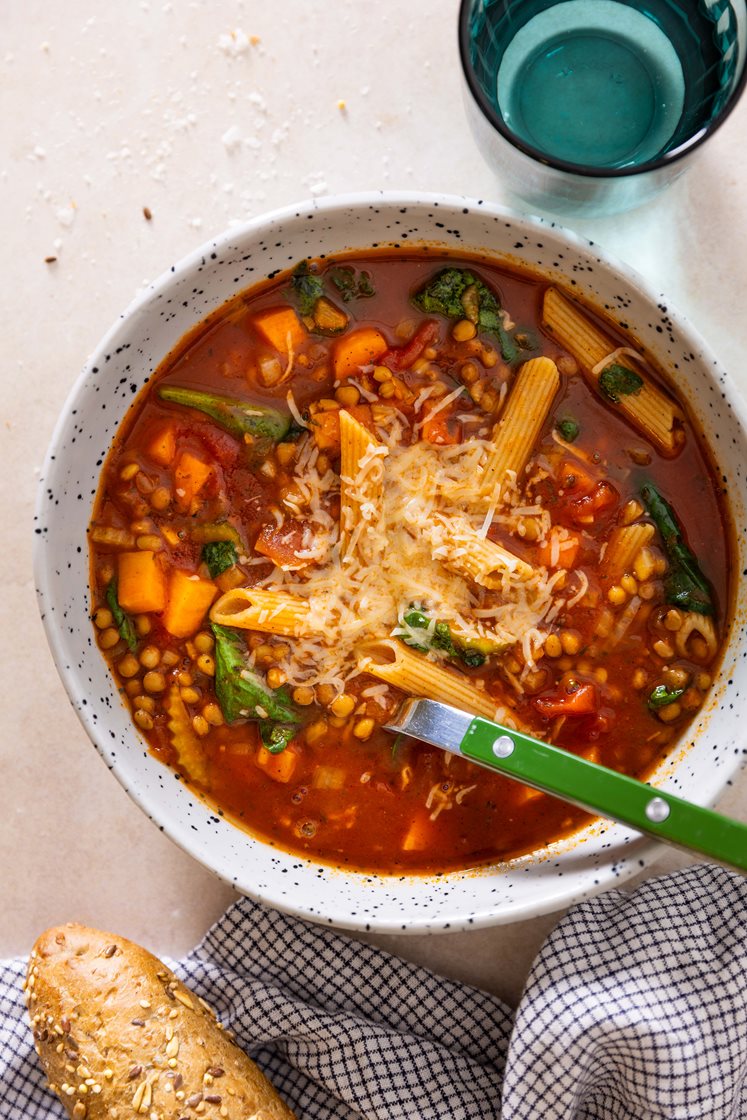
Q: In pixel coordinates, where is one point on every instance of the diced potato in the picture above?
(280, 767)
(190, 475)
(328, 318)
(162, 447)
(141, 584)
(188, 600)
(418, 835)
(359, 348)
(281, 327)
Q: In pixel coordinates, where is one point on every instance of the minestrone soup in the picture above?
(388, 475)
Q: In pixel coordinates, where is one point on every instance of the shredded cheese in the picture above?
(610, 359)
(396, 558)
(293, 407)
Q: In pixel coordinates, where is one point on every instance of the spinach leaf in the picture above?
(443, 294)
(351, 285)
(618, 381)
(122, 621)
(307, 288)
(276, 736)
(240, 691)
(440, 639)
(219, 556)
(685, 586)
(457, 293)
(472, 658)
(661, 696)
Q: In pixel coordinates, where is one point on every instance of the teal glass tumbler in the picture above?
(591, 107)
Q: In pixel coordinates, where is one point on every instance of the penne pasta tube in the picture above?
(405, 668)
(361, 481)
(648, 409)
(461, 548)
(270, 612)
(625, 542)
(517, 431)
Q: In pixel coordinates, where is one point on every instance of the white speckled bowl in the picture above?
(600, 856)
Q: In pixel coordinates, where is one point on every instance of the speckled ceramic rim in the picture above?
(601, 856)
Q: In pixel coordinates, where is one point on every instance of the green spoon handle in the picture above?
(594, 788)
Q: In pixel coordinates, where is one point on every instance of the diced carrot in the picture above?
(568, 546)
(141, 584)
(187, 603)
(418, 836)
(280, 767)
(162, 448)
(190, 475)
(359, 348)
(438, 430)
(325, 425)
(281, 327)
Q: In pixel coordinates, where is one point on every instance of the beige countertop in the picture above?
(208, 115)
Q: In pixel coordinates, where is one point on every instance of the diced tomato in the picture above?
(282, 543)
(220, 445)
(400, 358)
(603, 498)
(571, 699)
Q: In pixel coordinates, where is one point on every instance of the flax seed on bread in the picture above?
(120, 1036)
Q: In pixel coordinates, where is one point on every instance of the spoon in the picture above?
(594, 788)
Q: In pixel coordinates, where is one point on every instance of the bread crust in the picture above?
(120, 1036)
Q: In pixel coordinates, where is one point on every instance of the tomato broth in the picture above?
(582, 596)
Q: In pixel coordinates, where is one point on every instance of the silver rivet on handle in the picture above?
(503, 746)
(657, 810)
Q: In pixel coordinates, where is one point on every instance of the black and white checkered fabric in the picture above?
(636, 1009)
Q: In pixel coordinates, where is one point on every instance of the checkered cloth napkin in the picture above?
(635, 1008)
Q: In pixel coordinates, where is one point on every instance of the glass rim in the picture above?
(581, 169)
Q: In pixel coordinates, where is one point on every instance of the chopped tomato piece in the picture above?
(282, 543)
(571, 699)
(399, 358)
(585, 510)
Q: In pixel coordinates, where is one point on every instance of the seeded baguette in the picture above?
(120, 1036)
